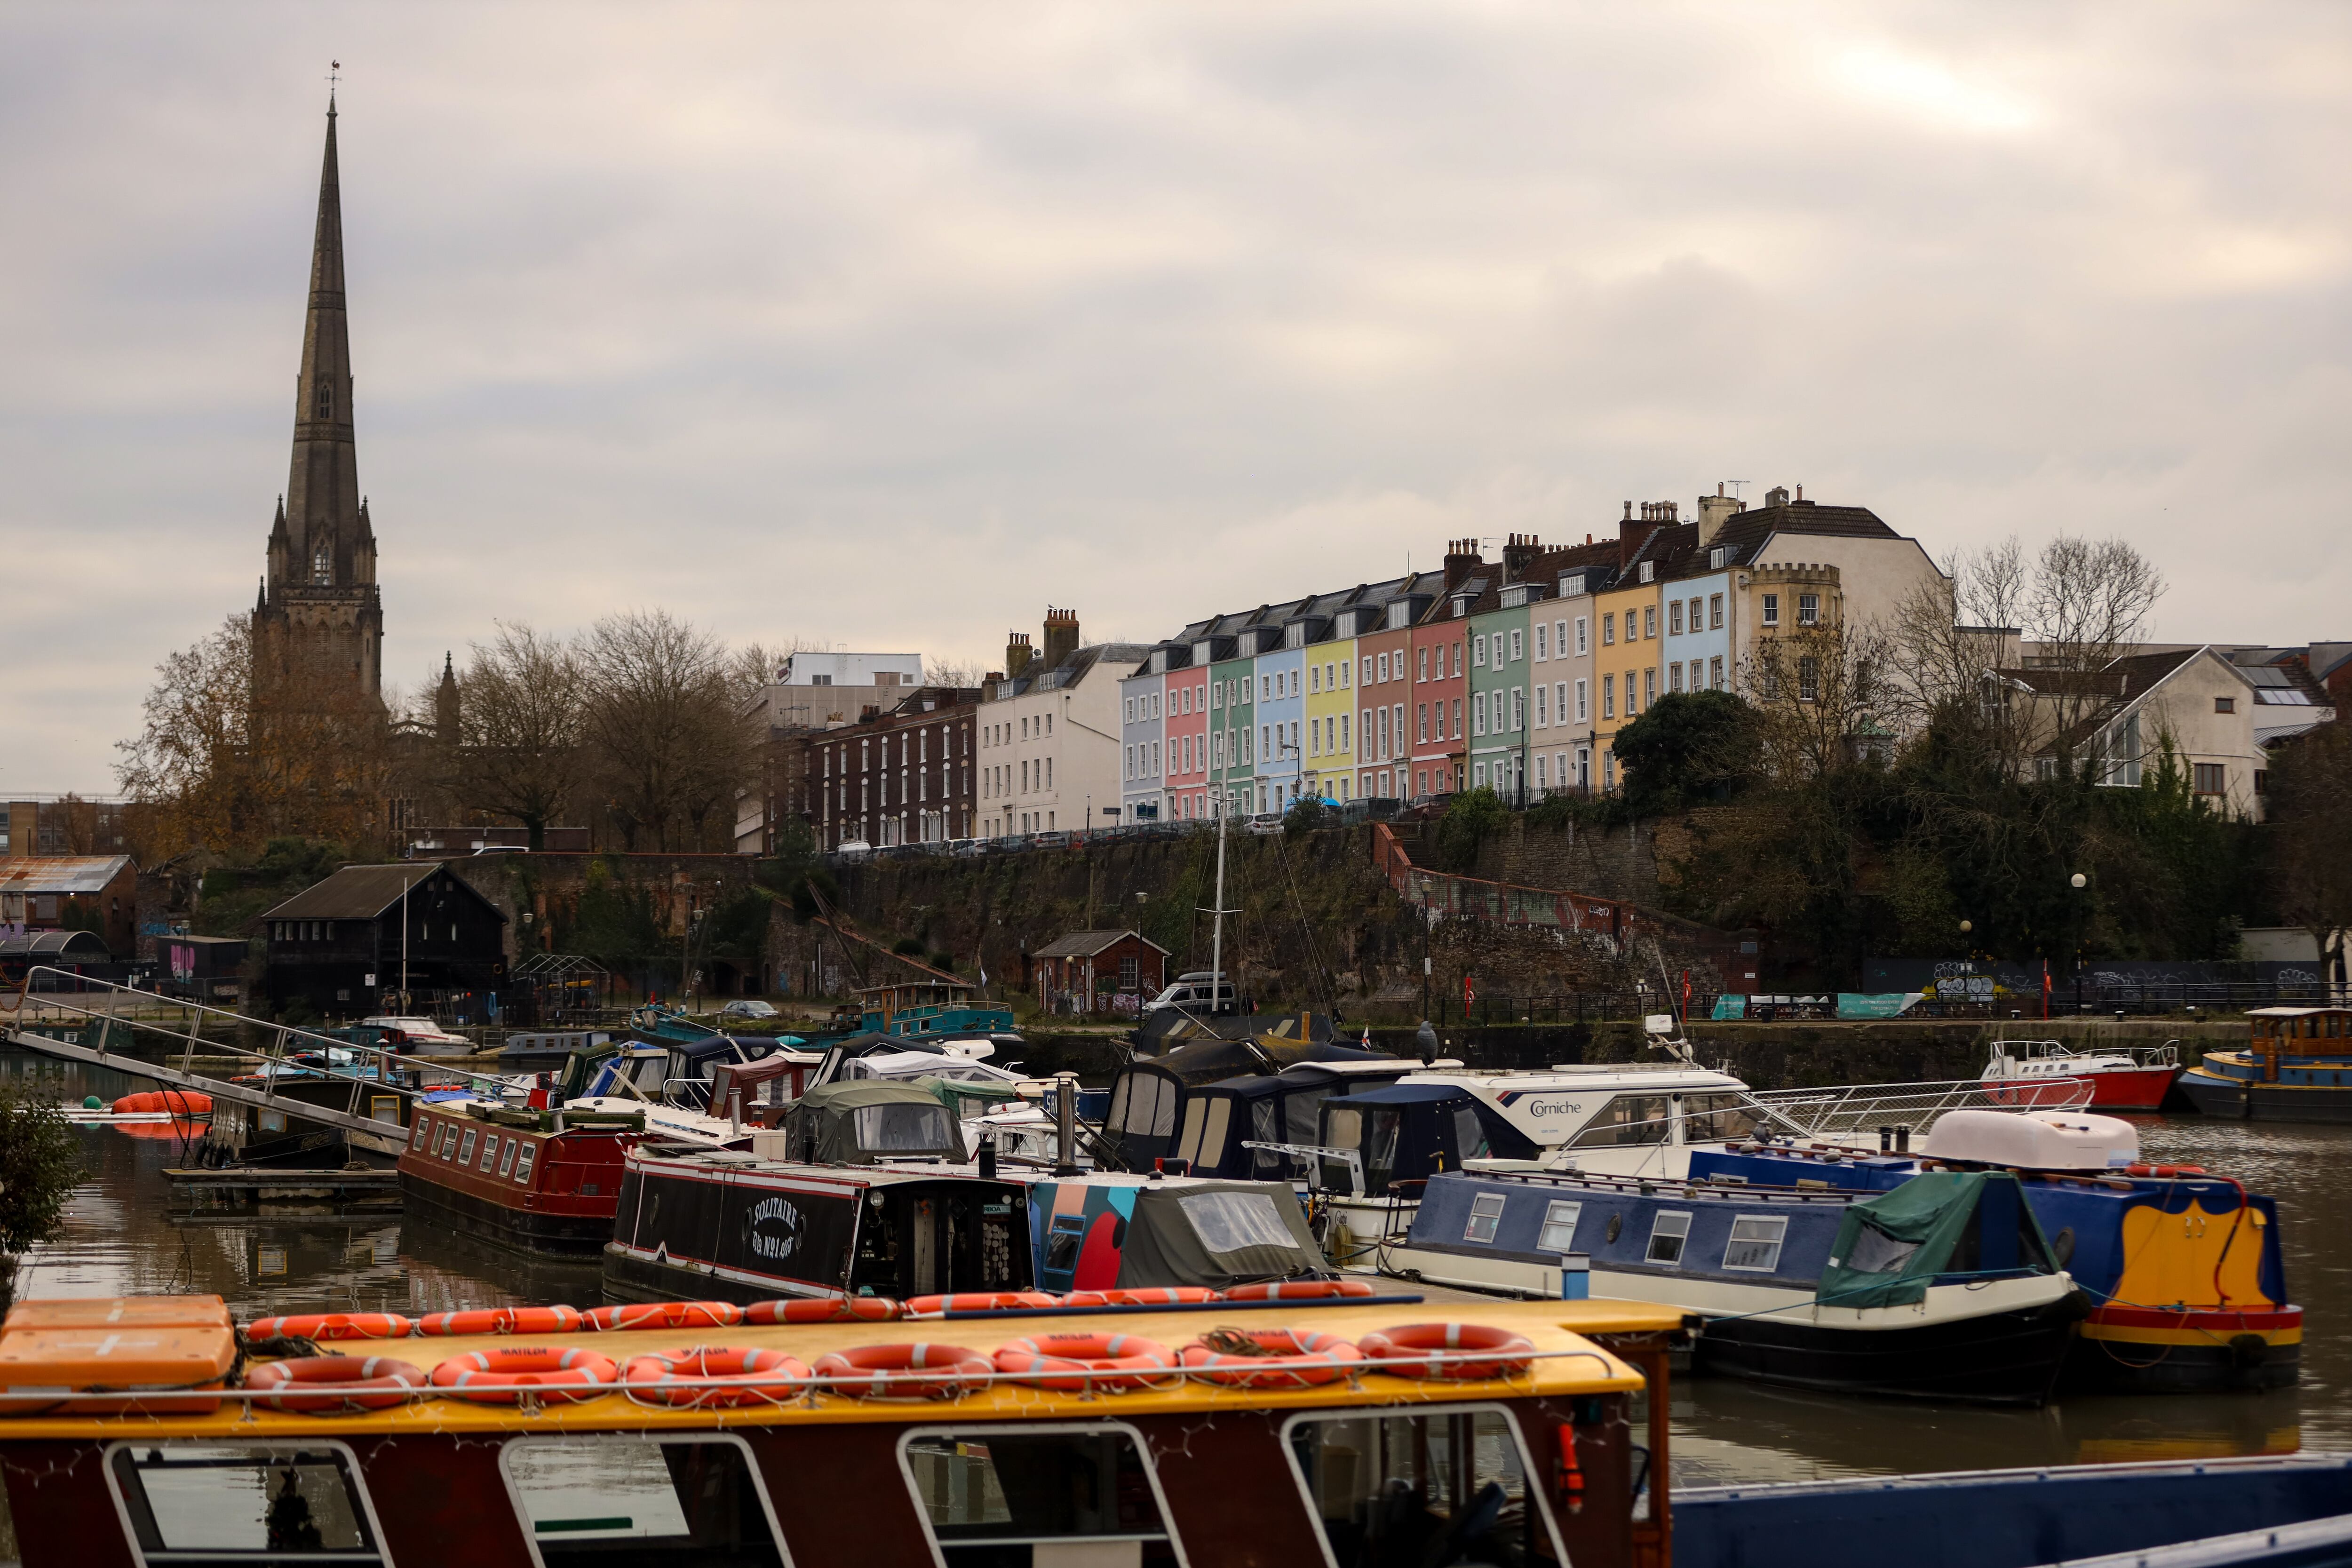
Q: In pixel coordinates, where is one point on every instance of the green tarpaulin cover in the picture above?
(1890, 1247)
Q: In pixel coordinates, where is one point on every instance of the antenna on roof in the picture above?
(1735, 485)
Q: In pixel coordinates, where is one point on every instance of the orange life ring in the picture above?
(331, 1326)
(346, 1385)
(1155, 1296)
(664, 1315)
(501, 1320)
(904, 1371)
(979, 1301)
(1413, 1350)
(1299, 1291)
(1281, 1358)
(743, 1376)
(1087, 1364)
(825, 1309)
(504, 1376)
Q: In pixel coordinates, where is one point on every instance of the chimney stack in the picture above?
(1461, 560)
(1060, 635)
(1713, 511)
(1777, 496)
(1519, 553)
(1016, 654)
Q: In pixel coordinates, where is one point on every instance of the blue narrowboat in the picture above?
(1942, 1289)
(932, 1007)
(2183, 1269)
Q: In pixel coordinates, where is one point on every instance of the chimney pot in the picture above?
(1629, 512)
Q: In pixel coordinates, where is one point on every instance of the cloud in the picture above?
(890, 325)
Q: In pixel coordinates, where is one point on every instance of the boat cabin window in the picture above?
(999, 1495)
(1755, 1243)
(202, 1505)
(1719, 1118)
(1875, 1251)
(904, 1129)
(1559, 1234)
(424, 1134)
(1667, 1234)
(1486, 1218)
(465, 1150)
(1229, 1222)
(1469, 1133)
(1143, 1103)
(506, 1161)
(523, 1163)
(1373, 1132)
(1628, 1118)
(1449, 1488)
(448, 1138)
(588, 1502)
(1207, 1120)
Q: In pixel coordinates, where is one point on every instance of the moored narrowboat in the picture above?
(2296, 1066)
(1943, 1288)
(537, 1180)
(2184, 1269)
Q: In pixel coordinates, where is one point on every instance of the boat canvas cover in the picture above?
(1890, 1248)
(1413, 1130)
(963, 1095)
(859, 1123)
(1217, 1234)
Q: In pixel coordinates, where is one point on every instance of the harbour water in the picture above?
(121, 1238)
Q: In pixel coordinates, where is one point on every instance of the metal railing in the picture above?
(371, 1069)
(1855, 1112)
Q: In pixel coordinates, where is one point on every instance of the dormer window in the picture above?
(322, 568)
(323, 400)
(1649, 571)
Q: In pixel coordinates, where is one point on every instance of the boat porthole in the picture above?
(2062, 1246)
(1616, 1225)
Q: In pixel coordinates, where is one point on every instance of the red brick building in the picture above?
(900, 777)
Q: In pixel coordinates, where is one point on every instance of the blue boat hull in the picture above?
(2206, 1513)
(2001, 1358)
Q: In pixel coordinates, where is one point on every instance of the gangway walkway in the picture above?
(104, 1028)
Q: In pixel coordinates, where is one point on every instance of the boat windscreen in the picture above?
(905, 1130)
(1720, 1118)
(1628, 1118)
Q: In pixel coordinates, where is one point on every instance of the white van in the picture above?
(1191, 993)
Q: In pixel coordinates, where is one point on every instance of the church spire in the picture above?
(322, 492)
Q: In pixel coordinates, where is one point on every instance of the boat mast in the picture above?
(1217, 924)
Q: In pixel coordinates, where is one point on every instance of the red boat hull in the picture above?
(2114, 1088)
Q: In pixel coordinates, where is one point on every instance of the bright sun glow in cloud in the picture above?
(1928, 90)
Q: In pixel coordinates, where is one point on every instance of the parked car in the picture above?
(1052, 838)
(854, 846)
(1193, 992)
(748, 1007)
(966, 846)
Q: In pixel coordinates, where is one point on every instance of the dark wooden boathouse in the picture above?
(338, 945)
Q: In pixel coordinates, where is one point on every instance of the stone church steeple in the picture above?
(320, 607)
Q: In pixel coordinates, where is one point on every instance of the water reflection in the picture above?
(121, 1239)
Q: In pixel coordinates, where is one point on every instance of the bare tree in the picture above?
(666, 720)
(236, 749)
(522, 711)
(2311, 838)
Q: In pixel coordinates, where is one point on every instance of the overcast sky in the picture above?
(889, 326)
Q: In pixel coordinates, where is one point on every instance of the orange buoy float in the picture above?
(825, 1309)
(331, 1326)
(1299, 1291)
(180, 1102)
(1430, 1350)
(342, 1384)
(664, 1315)
(979, 1301)
(501, 1320)
(904, 1371)
(1087, 1363)
(744, 1376)
(1153, 1296)
(505, 1376)
(1269, 1357)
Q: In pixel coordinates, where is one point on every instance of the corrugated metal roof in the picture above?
(360, 893)
(59, 873)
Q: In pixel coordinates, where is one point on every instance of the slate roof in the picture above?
(1746, 532)
(1087, 943)
(364, 893)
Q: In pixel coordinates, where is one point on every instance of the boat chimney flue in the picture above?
(1066, 1124)
(988, 1156)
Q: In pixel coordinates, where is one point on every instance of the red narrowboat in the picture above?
(537, 1180)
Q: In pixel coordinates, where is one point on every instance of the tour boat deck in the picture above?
(1565, 1362)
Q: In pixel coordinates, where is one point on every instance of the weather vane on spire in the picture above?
(334, 68)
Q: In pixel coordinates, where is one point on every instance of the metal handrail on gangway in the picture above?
(270, 1062)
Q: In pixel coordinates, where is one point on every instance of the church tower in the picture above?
(318, 613)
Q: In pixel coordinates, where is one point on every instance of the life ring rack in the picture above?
(338, 1384)
(1435, 1351)
(1270, 1358)
(904, 1371)
(706, 1377)
(1088, 1364)
(509, 1376)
